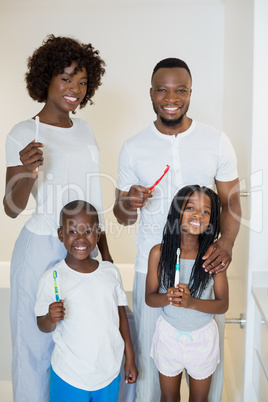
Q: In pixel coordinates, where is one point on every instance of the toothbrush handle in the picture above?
(177, 277)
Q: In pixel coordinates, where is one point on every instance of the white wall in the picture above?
(258, 259)
(132, 37)
(238, 88)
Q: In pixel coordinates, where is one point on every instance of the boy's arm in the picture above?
(131, 371)
(152, 297)
(181, 297)
(47, 323)
(103, 247)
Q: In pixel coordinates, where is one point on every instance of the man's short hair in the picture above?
(171, 62)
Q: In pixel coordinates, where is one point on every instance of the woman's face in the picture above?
(67, 90)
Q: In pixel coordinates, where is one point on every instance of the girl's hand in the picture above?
(131, 372)
(32, 157)
(56, 311)
(180, 296)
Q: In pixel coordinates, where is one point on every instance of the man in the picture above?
(196, 154)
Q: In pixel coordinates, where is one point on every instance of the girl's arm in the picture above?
(47, 323)
(152, 297)
(131, 371)
(181, 297)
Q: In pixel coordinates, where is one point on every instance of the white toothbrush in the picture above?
(177, 272)
(36, 132)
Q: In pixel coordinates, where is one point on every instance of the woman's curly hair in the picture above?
(57, 53)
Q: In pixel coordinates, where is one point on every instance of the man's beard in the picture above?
(171, 123)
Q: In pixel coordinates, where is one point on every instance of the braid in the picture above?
(199, 277)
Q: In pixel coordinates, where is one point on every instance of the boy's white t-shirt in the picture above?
(88, 345)
(70, 170)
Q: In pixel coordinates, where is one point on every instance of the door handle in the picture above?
(242, 320)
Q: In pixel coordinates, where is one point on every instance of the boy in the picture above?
(89, 322)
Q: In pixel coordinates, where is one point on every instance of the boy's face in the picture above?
(79, 233)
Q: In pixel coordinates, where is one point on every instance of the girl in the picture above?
(56, 159)
(186, 335)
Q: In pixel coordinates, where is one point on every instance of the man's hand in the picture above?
(128, 202)
(138, 196)
(218, 257)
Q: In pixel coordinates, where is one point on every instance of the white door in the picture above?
(235, 332)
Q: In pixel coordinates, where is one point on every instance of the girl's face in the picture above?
(196, 214)
(67, 90)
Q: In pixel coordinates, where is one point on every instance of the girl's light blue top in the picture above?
(185, 319)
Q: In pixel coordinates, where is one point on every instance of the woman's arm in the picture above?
(19, 185)
(152, 297)
(20, 179)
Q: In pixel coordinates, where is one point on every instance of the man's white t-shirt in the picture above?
(200, 155)
(88, 345)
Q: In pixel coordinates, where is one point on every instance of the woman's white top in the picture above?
(70, 170)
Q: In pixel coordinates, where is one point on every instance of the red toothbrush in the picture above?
(157, 181)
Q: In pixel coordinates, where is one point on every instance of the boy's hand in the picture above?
(131, 372)
(56, 311)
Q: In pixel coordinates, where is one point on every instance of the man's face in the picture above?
(170, 94)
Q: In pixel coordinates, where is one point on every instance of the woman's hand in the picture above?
(32, 156)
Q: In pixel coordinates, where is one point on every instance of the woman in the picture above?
(56, 159)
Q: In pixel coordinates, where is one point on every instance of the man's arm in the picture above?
(221, 251)
(127, 203)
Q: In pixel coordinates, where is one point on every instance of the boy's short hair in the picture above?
(74, 207)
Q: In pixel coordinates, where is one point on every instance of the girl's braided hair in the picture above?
(172, 238)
